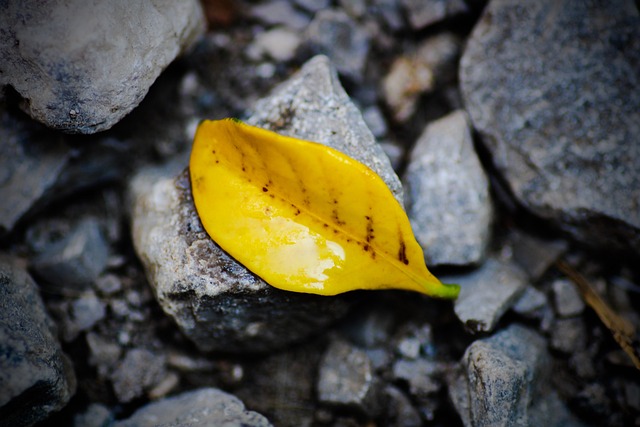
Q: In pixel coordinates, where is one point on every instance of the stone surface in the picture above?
(280, 12)
(554, 109)
(530, 302)
(420, 374)
(535, 255)
(312, 105)
(277, 43)
(333, 33)
(504, 381)
(569, 335)
(215, 301)
(36, 378)
(401, 411)
(137, 373)
(96, 415)
(346, 379)
(567, 299)
(422, 13)
(487, 293)
(74, 262)
(202, 407)
(447, 194)
(420, 71)
(80, 66)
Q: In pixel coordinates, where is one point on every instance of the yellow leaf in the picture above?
(303, 216)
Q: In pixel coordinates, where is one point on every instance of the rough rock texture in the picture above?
(216, 301)
(312, 105)
(36, 377)
(333, 33)
(422, 13)
(504, 381)
(487, 293)
(81, 66)
(203, 407)
(138, 372)
(552, 91)
(447, 194)
(346, 378)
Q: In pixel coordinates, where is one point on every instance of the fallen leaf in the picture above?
(303, 216)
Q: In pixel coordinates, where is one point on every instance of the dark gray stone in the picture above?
(68, 59)
(96, 415)
(74, 262)
(535, 255)
(421, 375)
(487, 293)
(552, 90)
(422, 13)
(104, 354)
(203, 407)
(447, 194)
(569, 335)
(333, 33)
(346, 379)
(567, 299)
(505, 381)
(400, 411)
(531, 302)
(137, 373)
(36, 378)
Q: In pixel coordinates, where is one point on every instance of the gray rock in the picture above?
(504, 381)
(487, 293)
(38, 166)
(401, 412)
(103, 353)
(569, 335)
(530, 302)
(535, 255)
(280, 12)
(447, 194)
(278, 43)
(422, 13)
(203, 407)
(75, 315)
(333, 33)
(68, 59)
(567, 299)
(74, 262)
(420, 71)
(313, 5)
(421, 375)
(96, 415)
(216, 302)
(36, 378)
(388, 12)
(554, 109)
(137, 373)
(346, 379)
(312, 105)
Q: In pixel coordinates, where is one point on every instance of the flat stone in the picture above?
(36, 377)
(278, 43)
(422, 13)
(68, 59)
(420, 71)
(567, 299)
(280, 12)
(333, 33)
(531, 302)
(504, 380)
(487, 293)
(346, 379)
(202, 407)
(535, 255)
(421, 375)
(313, 105)
(75, 261)
(447, 194)
(554, 109)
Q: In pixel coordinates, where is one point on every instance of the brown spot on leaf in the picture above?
(402, 253)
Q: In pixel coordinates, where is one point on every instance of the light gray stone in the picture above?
(422, 13)
(280, 12)
(75, 261)
(567, 299)
(569, 335)
(333, 33)
(530, 302)
(487, 293)
(36, 377)
(313, 105)
(504, 380)
(421, 375)
(447, 194)
(346, 379)
(138, 372)
(557, 109)
(202, 407)
(81, 66)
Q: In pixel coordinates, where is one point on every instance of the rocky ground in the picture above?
(509, 130)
